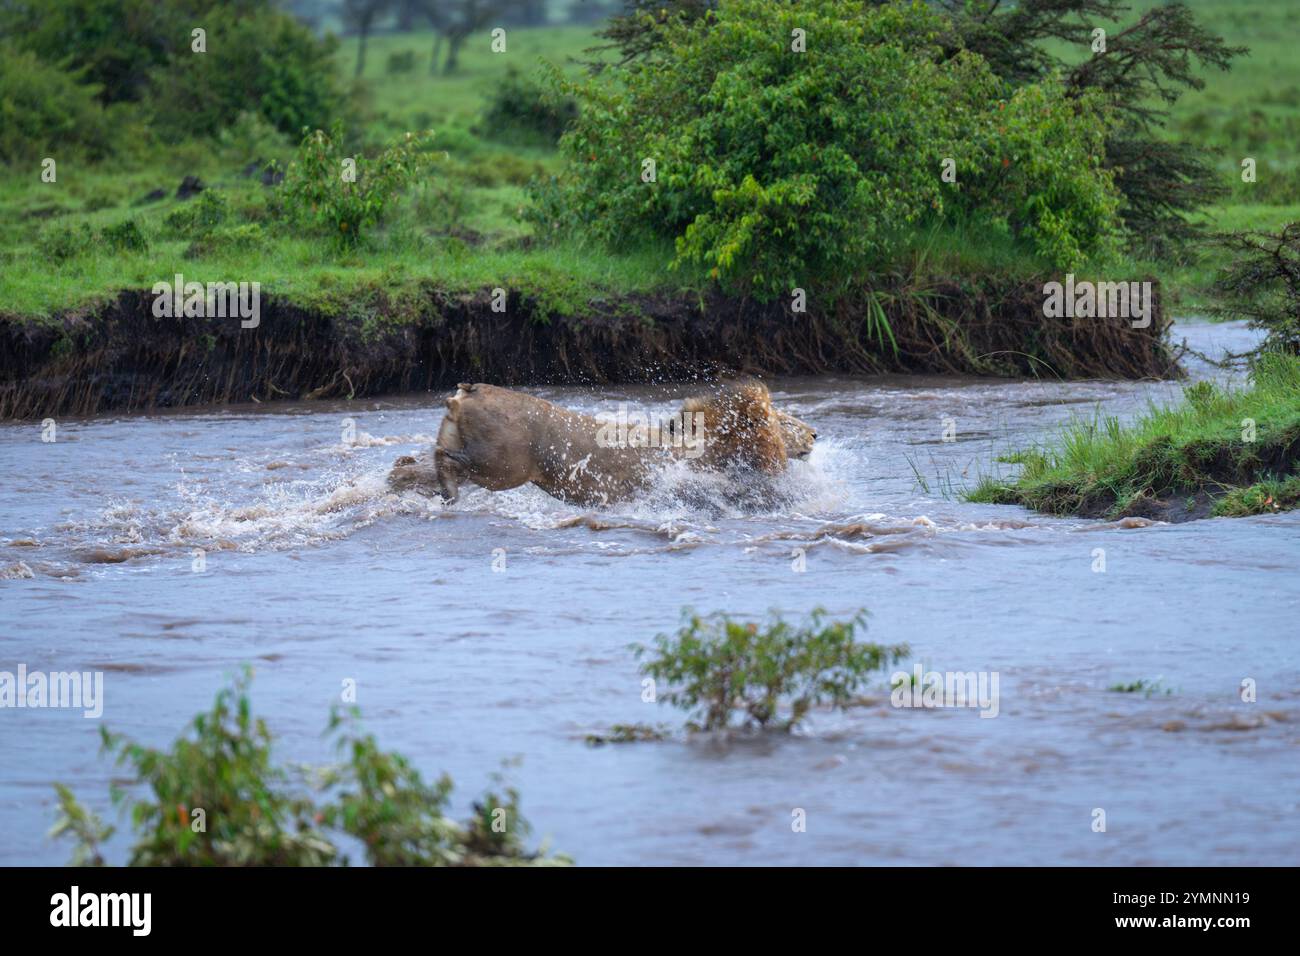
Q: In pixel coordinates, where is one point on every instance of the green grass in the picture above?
(463, 229)
(1199, 445)
(1253, 110)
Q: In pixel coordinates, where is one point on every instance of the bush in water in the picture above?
(772, 675)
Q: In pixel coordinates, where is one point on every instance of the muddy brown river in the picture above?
(316, 575)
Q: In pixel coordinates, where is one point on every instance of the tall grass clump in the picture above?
(1213, 440)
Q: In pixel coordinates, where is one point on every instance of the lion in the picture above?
(500, 439)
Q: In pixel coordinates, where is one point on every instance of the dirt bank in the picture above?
(122, 358)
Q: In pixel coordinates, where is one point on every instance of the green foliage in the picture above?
(521, 110)
(316, 192)
(771, 675)
(778, 169)
(216, 798)
(402, 820)
(44, 111)
(124, 236)
(115, 44)
(1265, 497)
(198, 216)
(1262, 283)
(225, 239)
(400, 61)
(141, 50)
(1200, 443)
(259, 59)
(1147, 688)
(60, 241)
(1147, 66)
(250, 816)
(86, 829)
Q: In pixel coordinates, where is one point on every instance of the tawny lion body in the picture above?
(500, 439)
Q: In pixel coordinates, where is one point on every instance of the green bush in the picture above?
(402, 61)
(771, 675)
(521, 110)
(777, 169)
(316, 193)
(198, 216)
(114, 44)
(242, 238)
(260, 59)
(217, 798)
(124, 236)
(60, 241)
(44, 112)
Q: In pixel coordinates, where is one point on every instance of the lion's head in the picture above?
(741, 428)
(798, 436)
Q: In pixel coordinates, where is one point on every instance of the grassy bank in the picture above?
(1217, 452)
(70, 285)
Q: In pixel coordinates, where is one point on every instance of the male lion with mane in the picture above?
(500, 439)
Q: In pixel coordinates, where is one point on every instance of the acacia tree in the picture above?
(1262, 284)
(1145, 68)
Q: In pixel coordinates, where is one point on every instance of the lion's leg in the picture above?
(448, 456)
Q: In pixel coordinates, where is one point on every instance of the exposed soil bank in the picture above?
(122, 358)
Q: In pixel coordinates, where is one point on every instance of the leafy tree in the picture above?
(259, 60)
(360, 16)
(114, 44)
(774, 169)
(320, 191)
(1146, 67)
(43, 108)
(256, 58)
(1262, 284)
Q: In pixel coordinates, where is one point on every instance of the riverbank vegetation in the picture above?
(523, 171)
(1220, 452)
(217, 797)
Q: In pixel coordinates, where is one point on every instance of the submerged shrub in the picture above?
(217, 798)
(343, 195)
(771, 674)
(774, 168)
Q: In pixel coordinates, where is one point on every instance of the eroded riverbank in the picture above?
(121, 358)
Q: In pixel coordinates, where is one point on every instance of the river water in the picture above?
(315, 575)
